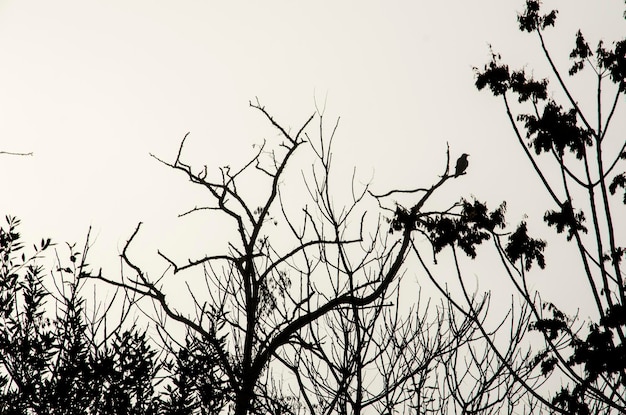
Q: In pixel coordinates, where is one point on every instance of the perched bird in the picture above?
(461, 165)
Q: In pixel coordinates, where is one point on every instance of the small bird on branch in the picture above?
(461, 165)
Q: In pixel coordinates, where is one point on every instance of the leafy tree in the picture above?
(53, 357)
(586, 155)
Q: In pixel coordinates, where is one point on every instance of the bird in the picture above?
(461, 165)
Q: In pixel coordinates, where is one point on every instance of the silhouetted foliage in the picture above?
(196, 384)
(51, 358)
(556, 130)
(472, 227)
(522, 247)
(531, 20)
(551, 130)
(495, 76)
(566, 219)
(618, 181)
(309, 312)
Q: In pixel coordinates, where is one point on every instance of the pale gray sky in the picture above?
(92, 87)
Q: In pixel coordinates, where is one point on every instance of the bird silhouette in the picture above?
(461, 165)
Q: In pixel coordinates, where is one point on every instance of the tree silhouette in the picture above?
(56, 359)
(311, 293)
(589, 361)
(315, 303)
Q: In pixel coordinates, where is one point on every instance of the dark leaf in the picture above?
(566, 218)
(495, 76)
(615, 316)
(531, 20)
(618, 181)
(476, 214)
(557, 130)
(528, 88)
(579, 54)
(615, 62)
(547, 365)
(522, 247)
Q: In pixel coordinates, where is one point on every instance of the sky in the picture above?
(93, 87)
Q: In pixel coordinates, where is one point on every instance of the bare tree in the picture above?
(295, 289)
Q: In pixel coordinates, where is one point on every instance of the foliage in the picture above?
(308, 309)
(51, 358)
(593, 362)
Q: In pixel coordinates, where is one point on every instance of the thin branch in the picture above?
(12, 153)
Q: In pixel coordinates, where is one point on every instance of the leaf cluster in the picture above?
(470, 228)
(531, 20)
(195, 382)
(566, 218)
(619, 181)
(552, 327)
(599, 356)
(556, 129)
(53, 361)
(608, 61)
(522, 247)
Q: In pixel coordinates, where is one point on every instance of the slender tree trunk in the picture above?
(244, 397)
